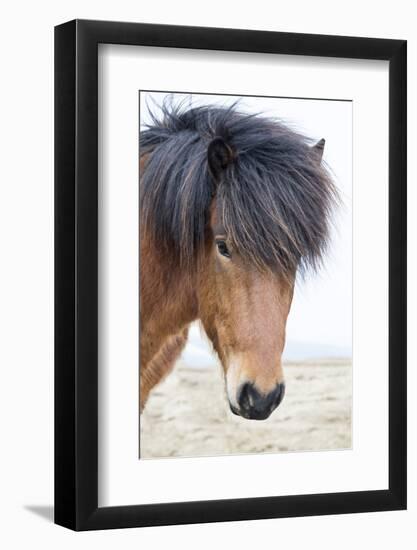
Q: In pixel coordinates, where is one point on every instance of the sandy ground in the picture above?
(188, 414)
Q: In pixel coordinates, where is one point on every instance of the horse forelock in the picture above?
(275, 200)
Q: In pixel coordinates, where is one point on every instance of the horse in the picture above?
(232, 207)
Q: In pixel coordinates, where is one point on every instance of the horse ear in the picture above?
(317, 150)
(219, 156)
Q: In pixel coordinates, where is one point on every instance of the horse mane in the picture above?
(275, 197)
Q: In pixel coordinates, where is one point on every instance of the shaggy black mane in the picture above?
(274, 196)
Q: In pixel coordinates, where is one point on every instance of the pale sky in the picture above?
(320, 320)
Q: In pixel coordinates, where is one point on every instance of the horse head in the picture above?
(240, 203)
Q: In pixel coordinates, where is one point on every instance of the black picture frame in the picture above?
(76, 272)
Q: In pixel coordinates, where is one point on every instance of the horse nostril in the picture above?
(256, 405)
(246, 397)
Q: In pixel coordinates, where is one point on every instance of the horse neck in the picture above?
(168, 296)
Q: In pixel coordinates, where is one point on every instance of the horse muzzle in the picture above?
(255, 405)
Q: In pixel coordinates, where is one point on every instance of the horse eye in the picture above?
(222, 248)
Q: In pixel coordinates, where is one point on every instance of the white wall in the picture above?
(26, 299)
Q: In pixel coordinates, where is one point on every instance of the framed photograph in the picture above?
(230, 255)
